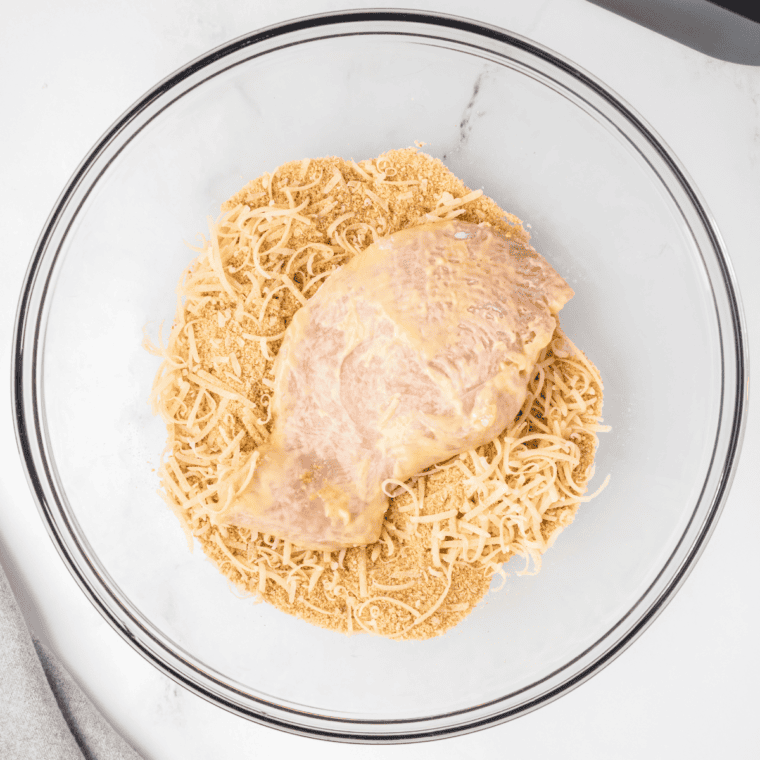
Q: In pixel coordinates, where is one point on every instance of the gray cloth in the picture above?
(44, 715)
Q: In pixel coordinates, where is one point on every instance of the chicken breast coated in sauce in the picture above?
(418, 349)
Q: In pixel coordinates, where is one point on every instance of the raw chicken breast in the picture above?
(418, 349)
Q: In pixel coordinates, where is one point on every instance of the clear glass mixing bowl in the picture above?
(656, 308)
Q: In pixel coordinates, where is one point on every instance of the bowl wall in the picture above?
(655, 309)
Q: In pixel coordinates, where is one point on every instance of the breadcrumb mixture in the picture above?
(447, 531)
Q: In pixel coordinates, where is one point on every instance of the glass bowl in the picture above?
(656, 308)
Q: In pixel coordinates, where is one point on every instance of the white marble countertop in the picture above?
(686, 688)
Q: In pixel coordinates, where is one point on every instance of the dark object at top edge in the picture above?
(728, 30)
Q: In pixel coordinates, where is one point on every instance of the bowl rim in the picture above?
(26, 395)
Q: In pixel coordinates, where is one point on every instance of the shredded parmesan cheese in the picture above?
(447, 531)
